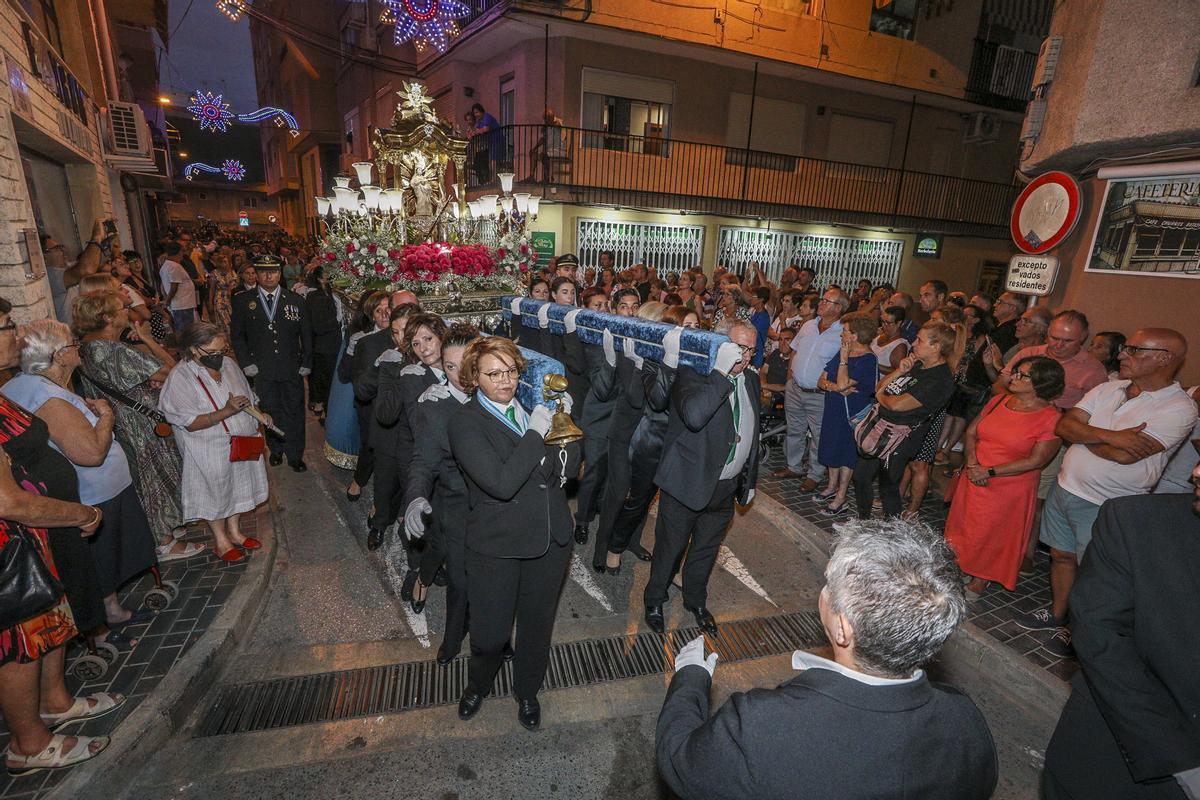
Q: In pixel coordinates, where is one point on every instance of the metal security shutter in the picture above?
(843, 260)
(667, 248)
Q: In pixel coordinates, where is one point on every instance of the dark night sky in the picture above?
(209, 52)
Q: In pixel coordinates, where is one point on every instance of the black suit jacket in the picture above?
(824, 735)
(602, 392)
(276, 346)
(1135, 625)
(433, 473)
(516, 503)
(569, 350)
(699, 435)
(391, 428)
(324, 329)
(627, 406)
(363, 372)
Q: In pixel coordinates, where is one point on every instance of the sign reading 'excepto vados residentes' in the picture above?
(1033, 275)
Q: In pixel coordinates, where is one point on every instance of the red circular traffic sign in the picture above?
(1045, 212)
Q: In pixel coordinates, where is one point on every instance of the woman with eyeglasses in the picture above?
(205, 398)
(82, 430)
(1006, 447)
(518, 528)
(889, 346)
(109, 364)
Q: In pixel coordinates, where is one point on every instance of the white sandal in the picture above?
(53, 756)
(81, 709)
(163, 551)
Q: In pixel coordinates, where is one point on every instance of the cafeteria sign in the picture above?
(929, 245)
(543, 245)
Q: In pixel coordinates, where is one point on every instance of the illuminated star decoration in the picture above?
(425, 22)
(232, 9)
(233, 169)
(210, 111)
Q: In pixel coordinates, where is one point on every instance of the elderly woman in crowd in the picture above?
(222, 281)
(35, 481)
(115, 371)
(82, 430)
(205, 398)
(1006, 447)
(518, 528)
(849, 386)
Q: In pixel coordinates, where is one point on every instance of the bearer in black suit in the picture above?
(868, 723)
(518, 530)
(710, 457)
(1131, 728)
(268, 331)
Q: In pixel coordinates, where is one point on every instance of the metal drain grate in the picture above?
(329, 696)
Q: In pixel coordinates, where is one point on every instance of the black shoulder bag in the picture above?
(27, 587)
(162, 428)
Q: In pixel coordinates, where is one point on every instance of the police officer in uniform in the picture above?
(268, 333)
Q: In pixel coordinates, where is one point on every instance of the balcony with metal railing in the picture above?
(596, 167)
(1000, 76)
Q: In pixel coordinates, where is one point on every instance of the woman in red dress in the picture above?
(1007, 446)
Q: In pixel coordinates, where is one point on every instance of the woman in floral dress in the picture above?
(221, 283)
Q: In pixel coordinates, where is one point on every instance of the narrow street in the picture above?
(331, 606)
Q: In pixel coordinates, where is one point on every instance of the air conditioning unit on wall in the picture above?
(128, 145)
(981, 127)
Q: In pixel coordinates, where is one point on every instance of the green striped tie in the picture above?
(737, 420)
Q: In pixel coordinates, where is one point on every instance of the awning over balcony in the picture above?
(140, 14)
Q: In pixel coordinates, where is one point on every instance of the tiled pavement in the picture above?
(994, 612)
(205, 583)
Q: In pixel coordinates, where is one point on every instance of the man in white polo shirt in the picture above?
(818, 341)
(1122, 434)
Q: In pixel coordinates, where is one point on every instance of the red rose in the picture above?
(393, 254)
(379, 268)
(349, 247)
(524, 249)
(329, 256)
(501, 252)
(372, 247)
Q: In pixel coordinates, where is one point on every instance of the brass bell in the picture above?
(563, 429)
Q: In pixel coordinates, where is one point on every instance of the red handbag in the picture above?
(241, 448)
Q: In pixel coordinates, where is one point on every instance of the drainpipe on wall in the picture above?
(104, 50)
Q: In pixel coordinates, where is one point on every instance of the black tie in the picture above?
(270, 301)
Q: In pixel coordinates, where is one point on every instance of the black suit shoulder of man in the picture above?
(364, 372)
(274, 345)
(1133, 719)
(517, 505)
(824, 735)
(695, 451)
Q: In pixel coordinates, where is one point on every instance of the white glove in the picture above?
(569, 319)
(728, 354)
(439, 391)
(539, 420)
(305, 371)
(414, 524)
(515, 306)
(749, 497)
(692, 654)
(610, 347)
(670, 345)
(413, 369)
(567, 403)
(631, 354)
(250, 371)
(544, 316)
(392, 356)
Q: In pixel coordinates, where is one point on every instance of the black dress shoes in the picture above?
(642, 553)
(444, 657)
(507, 653)
(406, 589)
(704, 619)
(353, 498)
(581, 534)
(469, 704)
(276, 459)
(374, 538)
(440, 578)
(300, 466)
(529, 714)
(654, 619)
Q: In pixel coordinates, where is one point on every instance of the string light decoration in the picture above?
(232, 9)
(210, 111)
(425, 23)
(280, 117)
(233, 169)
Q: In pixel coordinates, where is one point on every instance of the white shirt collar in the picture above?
(457, 394)
(802, 659)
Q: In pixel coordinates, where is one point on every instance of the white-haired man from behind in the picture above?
(868, 723)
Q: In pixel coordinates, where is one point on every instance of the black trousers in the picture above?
(321, 379)
(447, 546)
(627, 528)
(501, 591)
(284, 401)
(699, 533)
(391, 474)
(616, 487)
(365, 467)
(591, 485)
